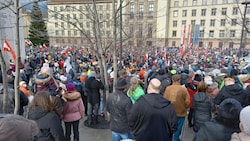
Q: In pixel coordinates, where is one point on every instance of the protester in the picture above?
(203, 106)
(74, 111)
(17, 128)
(179, 97)
(135, 91)
(244, 135)
(221, 127)
(119, 106)
(153, 117)
(45, 81)
(93, 87)
(41, 111)
(24, 101)
(192, 90)
(231, 90)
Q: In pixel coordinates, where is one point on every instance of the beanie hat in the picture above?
(245, 119)
(208, 80)
(70, 87)
(230, 109)
(197, 77)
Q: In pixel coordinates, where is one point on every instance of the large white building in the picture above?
(218, 22)
(152, 23)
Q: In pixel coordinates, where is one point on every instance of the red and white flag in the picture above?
(44, 46)
(28, 42)
(8, 48)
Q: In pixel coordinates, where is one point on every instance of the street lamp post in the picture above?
(243, 28)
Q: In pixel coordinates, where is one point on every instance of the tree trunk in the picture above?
(18, 61)
(114, 52)
(5, 83)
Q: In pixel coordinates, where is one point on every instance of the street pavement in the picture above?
(90, 134)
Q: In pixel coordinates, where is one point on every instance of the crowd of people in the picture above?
(150, 102)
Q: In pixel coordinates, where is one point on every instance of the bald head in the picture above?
(154, 86)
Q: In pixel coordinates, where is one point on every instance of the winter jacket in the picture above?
(136, 94)
(24, 101)
(179, 97)
(45, 83)
(192, 90)
(119, 106)
(231, 91)
(17, 128)
(216, 130)
(240, 137)
(203, 107)
(74, 109)
(153, 118)
(49, 124)
(93, 87)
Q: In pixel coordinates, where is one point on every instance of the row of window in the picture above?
(212, 22)
(203, 12)
(88, 24)
(210, 44)
(80, 8)
(80, 16)
(203, 2)
(141, 10)
(222, 33)
(76, 33)
(140, 29)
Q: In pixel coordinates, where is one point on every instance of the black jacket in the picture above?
(93, 87)
(203, 107)
(234, 91)
(119, 106)
(153, 118)
(24, 101)
(49, 124)
(216, 130)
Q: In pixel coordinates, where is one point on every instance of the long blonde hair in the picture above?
(134, 82)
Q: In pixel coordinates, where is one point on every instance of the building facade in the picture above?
(210, 23)
(70, 23)
(151, 23)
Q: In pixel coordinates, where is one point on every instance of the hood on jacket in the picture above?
(72, 95)
(17, 128)
(36, 113)
(200, 97)
(234, 89)
(156, 100)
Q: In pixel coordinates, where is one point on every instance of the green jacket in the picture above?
(136, 94)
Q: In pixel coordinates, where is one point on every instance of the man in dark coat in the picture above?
(153, 117)
(119, 105)
(93, 87)
(224, 125)
(231, 90)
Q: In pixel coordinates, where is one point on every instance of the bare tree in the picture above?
(3, 67)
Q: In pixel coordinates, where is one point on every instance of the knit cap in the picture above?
(245, 119)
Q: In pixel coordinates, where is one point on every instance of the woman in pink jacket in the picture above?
(73, 112)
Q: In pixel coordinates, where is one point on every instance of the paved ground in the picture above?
(89, 134)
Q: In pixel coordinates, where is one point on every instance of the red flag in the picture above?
(145, 56)
(44, 46)
(182, 50)
(8, 48)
